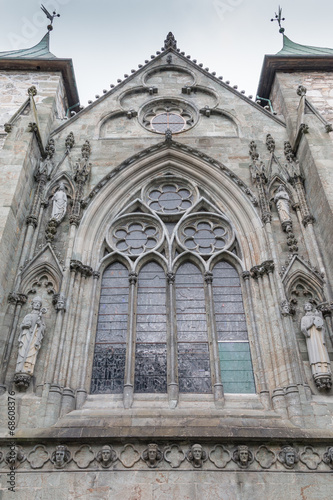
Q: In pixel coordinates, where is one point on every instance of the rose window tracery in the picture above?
(135, 238)
(205, 236)
(170, 198)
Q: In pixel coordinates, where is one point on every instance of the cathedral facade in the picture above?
(166, 280)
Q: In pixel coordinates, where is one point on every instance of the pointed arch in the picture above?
(228, 192)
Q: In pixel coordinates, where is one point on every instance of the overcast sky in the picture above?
(107, 38)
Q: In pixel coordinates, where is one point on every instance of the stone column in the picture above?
(218, 386)
(173, 388)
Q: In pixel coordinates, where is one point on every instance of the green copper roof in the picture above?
(39, 51)
(295, 49)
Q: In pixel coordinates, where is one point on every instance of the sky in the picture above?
(108, 38)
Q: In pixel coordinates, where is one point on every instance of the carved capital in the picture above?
(266, 217)
(86, 271)
(32, 91)
(304, 128)
(171, 278)
(75, 266)
(132, 278)
(8, 127)
(74, 220)
(131, 113)
(246, 275)
(31, 220)
(96, 275)
(308, 219)
(301, 90)
(325, 308)
(17, 298)
(323, 382)
(208, 277)
(269, 266)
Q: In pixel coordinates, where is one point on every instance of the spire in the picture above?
(170, 42)
(39, 51)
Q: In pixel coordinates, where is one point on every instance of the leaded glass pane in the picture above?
(110, 348)
(150, 356)
(193, 353)
(163, 121)
(236, 367)
(228, 303)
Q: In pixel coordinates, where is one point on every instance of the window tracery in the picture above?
(147, 337)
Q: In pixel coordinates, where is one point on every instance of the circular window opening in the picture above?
(164, 121)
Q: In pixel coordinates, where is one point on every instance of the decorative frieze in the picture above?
(187, 456)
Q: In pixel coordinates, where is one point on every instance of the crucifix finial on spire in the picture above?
(50, 16)
(170, 41)
(279, 18)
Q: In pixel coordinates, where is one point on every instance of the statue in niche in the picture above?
(152, 455)
(196, 455)
(312, 324)
(61, 456)
(282, 202)
(243, 456)
(59, 203)
(288, 456)
(32, 331)
(106, 456)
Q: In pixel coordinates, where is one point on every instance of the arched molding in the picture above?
(308, 281)
(115, 257)
(151, 257)
(170, 68)
(61, 177)
(228, 192)
(196, 260)
(44, 263)
(229, 257)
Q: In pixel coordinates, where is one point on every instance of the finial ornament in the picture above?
(279, 18)
(170, 42)
(50, 16)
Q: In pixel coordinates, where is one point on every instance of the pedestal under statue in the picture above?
(312, 324)
(32, 331)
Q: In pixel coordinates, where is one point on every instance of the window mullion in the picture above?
(173, 387)
(218, 386)
(130, 350)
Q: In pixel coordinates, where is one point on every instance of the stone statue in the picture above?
(312, 327)
(152, 455)
(32, 331)
(288, 456)
(61, 456)
(106, 456)
(59, 203)
(243, 456)
(196, 455)
(282, 202)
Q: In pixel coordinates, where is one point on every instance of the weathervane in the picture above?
(50, 16)
(279, 18)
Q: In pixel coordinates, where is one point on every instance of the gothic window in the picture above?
(171, 301)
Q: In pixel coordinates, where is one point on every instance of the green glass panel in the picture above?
(236, 367)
